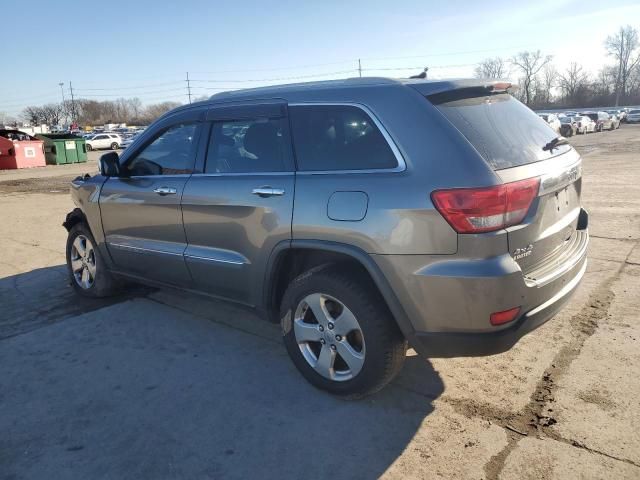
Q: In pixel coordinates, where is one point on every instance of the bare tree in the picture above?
(548, 81)
(572, 82)
(154, 111)
(529, 64)
(622, 46)
(135, 107)
(492, 68)
(52, 113)
(33, 115)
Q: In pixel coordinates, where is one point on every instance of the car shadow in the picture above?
(44, 296)
(144, 389)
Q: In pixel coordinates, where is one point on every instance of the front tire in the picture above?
(89, 147)
(339, 333)
(114, 146)
(86, 268)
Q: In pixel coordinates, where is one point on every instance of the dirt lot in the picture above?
(158, 384)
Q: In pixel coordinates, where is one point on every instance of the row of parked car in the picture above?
(110, 140)
(572, 123)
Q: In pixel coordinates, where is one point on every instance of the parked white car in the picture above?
(552, 120)
(585, 124)
(633, 116)
(104, 140)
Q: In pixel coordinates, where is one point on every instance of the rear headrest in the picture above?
(261, 139)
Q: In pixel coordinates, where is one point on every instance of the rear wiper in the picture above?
(556, 142)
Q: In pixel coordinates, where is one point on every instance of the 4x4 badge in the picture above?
(523, 252)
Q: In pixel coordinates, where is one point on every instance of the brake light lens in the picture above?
(500, 318)
(478, 210)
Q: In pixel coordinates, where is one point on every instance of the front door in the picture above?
(240, 207)
(140, 209)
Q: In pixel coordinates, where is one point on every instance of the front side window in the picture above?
(247, 146)
(171, 153)
(338, 137)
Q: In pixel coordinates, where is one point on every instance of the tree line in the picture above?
(542, 85)
(92, 112)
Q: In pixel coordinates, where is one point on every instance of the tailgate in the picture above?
(549, 238)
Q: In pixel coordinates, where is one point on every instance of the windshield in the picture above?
(503, 130)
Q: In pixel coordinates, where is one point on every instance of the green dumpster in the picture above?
(61, 148)
(81, 149)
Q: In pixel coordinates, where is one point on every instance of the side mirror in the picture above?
(110, 164)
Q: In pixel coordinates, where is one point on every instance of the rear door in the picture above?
(240, 204)
(515, 142)
(140, 210)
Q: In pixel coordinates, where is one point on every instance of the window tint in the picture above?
(171, 153)
(247, 146)
(338, 137)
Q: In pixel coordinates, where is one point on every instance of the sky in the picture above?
(145, 48)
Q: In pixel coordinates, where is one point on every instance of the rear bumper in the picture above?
(457, 344)
(449, 301)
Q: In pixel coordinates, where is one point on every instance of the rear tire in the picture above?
(86, 268)
(352, 347)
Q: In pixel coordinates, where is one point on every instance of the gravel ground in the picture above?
(160, 384)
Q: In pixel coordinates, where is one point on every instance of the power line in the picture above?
(275, 79)
(141, 94)
(419, 67)
(128, 88)
(275, 69)
(446, 54)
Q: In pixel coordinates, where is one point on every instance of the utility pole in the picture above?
(73, 104)
(188, 87)
(64, 114)
(359, 68)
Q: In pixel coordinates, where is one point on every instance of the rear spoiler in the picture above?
(449, 90)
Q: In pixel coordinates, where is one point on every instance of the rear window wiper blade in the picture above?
(556, 142)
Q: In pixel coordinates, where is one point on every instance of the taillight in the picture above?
(477, 210)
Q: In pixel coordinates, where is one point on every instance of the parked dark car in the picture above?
(568, 126)
(443, 214)
(602, 119)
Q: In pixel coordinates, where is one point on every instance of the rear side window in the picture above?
(338, 137)
(247, 146)
(504, 131)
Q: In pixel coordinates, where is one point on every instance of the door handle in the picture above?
(268, 192)
(165, 191)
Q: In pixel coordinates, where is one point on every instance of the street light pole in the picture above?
(62, 91)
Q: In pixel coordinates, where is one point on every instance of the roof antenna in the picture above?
(422, 74)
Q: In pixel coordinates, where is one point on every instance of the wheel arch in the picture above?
(280, 271)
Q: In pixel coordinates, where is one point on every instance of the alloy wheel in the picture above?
(83, 262)
(329, 337)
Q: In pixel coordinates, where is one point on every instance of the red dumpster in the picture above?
(20, 150)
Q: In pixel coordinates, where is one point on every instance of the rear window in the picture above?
(338, 137)
(504, 131)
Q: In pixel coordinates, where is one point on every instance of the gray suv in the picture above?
(364, 215)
